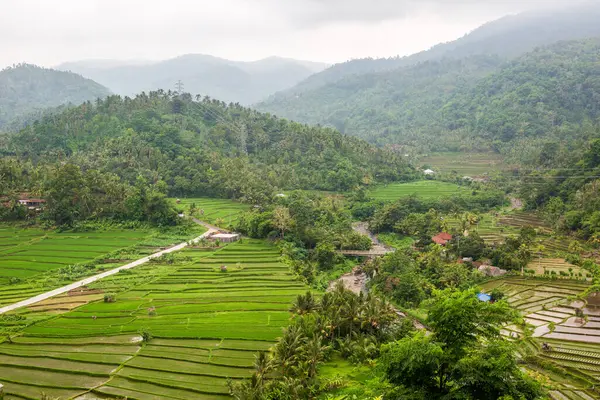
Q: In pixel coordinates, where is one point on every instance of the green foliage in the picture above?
(412, 362)
(354, 325)
(74, 195)
(391, 216)
(325, 255)
(315, 227)
(110, 298)
(464, 358)
(207, 148)
(460, 319)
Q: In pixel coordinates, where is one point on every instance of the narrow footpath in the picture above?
(92, 279)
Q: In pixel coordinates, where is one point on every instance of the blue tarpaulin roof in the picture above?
(484, 297)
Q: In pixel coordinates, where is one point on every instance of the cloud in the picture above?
(51, 31)
(311, 13)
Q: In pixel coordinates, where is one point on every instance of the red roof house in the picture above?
(442, 238)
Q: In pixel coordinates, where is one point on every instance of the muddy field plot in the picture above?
(565, 330)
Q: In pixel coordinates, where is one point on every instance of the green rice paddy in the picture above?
(212, 210)
(465, 164)
(33, 261)
(423, 189)
(206, 326)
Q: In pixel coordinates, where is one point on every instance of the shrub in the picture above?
(110, 298)
(146, 335)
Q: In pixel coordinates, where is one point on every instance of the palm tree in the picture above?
(314, 351)
(262, 365)
(304, 304)
(286, 351)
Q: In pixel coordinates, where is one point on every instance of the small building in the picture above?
(429, 172)
(33, 204)
(442, 238)
(281, 195)
(491, 271)
(226, 237)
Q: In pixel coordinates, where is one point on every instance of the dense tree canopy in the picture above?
(550, 92)
(204, 147)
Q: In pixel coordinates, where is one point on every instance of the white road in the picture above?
(92, 279)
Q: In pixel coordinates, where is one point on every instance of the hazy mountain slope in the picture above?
(551, 90)
(230, 81)
(100, 64)
(386, 105)
(28, 89)
(507, 37)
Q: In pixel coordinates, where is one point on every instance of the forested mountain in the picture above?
(231, 81)
(550, 91)
(202, 147)
(27, 89)
(507, 37)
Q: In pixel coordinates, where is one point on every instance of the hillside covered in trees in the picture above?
(197, 147)
(548, 93)
(235, 81)
(27, 89)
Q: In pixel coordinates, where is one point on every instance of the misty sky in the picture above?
(47, 32)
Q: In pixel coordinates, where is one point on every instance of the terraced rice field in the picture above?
(206, 326)
(520, 219)
(424, 189)
(495, 228)
(556, 265)
(210, 210)
(465, 164)
(28, 257)
(549, 309)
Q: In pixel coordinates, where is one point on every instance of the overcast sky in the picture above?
(48, 32)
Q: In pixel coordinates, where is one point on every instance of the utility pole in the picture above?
(243, 137)
(179, 87)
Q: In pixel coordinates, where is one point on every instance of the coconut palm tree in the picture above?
(314, 351)
(304, 304)
(287, 350)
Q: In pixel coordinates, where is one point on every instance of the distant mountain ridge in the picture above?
(230, 81)
(507, 37)
(427, 100)
(27, 90)
(548, 94)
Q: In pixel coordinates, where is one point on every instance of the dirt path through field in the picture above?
(207, 225)
(92, 279)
